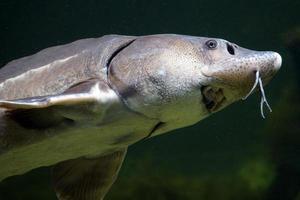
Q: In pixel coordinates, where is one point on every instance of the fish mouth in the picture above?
(213, 98)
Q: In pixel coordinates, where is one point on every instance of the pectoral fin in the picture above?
(76, 103)
(88, 91)
(87, 178)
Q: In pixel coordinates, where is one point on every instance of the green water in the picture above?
(234, 154)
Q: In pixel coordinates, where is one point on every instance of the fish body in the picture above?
(80, 105)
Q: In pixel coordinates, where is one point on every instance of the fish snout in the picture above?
(239, 72)
(239, 75)
(267, 64)
(261, 65)
(277, 60)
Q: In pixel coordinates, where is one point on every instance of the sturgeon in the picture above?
(77, 107)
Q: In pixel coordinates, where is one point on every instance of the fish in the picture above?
(77, 107)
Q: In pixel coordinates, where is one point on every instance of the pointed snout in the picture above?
(267, 63)
(238, 71)
(277, 61)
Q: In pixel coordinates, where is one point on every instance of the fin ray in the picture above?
(87, 178)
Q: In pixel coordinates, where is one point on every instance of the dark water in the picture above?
(234, 154)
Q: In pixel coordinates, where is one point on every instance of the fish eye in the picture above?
(211, 44)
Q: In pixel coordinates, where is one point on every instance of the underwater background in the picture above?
(232, 155)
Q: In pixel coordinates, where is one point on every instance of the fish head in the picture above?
(184, 78)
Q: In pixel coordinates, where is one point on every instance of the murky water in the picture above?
(234, 154)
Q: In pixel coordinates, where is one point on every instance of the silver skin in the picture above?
(87, 101)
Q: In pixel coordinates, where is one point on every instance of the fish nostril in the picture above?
(230, 49)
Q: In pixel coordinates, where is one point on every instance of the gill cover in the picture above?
(156, 72)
